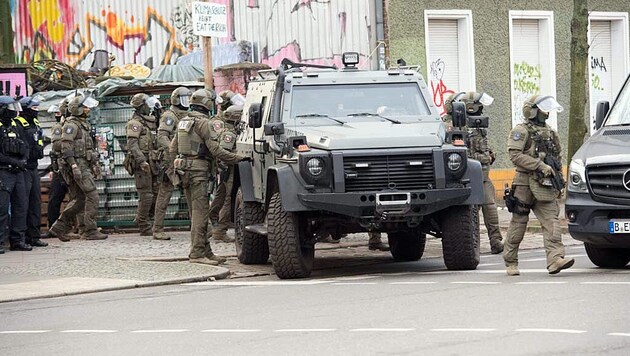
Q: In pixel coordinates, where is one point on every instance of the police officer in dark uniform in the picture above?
(13, 156)
(33, 135)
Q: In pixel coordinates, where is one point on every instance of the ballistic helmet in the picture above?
(28, 102)
(475, 102)
(448, 103)
(77, 104)
(138, 99)
(546, 104)
(204, 98)
(181, 97)
(9, 107)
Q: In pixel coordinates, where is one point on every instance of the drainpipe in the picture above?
(380, 34)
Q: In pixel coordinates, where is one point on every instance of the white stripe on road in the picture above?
(160, 331)
(464, 330)
(618, 334)
(408, 283)
(302, 330)
(534, 283)
(606, 283)
(231, 331)
(257, 283)
(354, 284)
(489, 264)
(563, 331)
(89, 331)
(475, 282)
(382, 330)
(25, 331)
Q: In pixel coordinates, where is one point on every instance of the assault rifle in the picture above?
(557, 180)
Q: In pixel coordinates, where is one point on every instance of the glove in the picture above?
(145, 166)
(547, 171)
(76, 172)
(245, 159)
(96, 171)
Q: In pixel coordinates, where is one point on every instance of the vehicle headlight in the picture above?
(454, 162)
(577, 177)
(315, 166)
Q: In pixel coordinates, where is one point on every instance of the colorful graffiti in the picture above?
(439, 90)
(525, 84)
(151, 33)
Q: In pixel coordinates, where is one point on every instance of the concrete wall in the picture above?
(406, 39)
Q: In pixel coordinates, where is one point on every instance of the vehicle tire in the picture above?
(291, 255)
(406, 245)
(460, 237)
(251, 248)
(607, 257)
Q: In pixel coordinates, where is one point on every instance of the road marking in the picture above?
(354, 283)
(231, 331)
(257, 283)
(534, 259)
(25, 331)
(411, 283)
(302, 330)
(606, 283)
(550, 282)
(89, 331)
(563, 331)
(618, 334)
(475, 282)
(160, 331)
(353, 278)
(382, 330)
(464, 330)
(489, 264)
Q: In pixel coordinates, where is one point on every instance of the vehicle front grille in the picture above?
(375, 173)
(606, 183)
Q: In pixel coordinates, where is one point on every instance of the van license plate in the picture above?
(619, 227)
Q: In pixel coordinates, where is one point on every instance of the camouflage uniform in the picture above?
(533, 193)
(141, 145)
(196, 146)
(166, 131)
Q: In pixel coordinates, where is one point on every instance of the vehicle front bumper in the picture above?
(592, 220)
(364, 204)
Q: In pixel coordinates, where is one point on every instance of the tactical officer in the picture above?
(529, 144)
(13, 156)
(479, 149)
(180, 103)
(79, 168)
(143, 151)
(33, 135)
(221, 206)
(58, 187)
(197, 147)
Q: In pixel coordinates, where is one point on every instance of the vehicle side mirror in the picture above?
(274, 128)
(602, 110)
(459, 114)
(255, 116)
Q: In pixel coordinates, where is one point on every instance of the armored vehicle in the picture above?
(598, 191)
(338, 151)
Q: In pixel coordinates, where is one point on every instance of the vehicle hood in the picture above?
(361, 135)
(606, 146)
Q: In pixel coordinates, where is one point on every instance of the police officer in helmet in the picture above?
(13, 155)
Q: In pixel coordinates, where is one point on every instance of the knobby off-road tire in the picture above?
(607, 257)
(406, 245)
(251, 248)
(460, 237)
(291, 257)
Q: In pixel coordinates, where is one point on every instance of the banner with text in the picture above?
(209, 19)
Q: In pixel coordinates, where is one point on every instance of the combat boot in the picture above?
(496, 247)
(62, 237)
(379, 246)
(73, 236)
(146, 231)
(38, 243)
(219, 259)
(512, 270)
(161, 236)
(204, 261)
(223, 238)
(95, 235)
(560, 264)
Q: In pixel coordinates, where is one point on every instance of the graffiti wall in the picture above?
(526, 83)
(160, 31)
(439, 89)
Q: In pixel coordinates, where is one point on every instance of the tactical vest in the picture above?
(147, 142)
(189, 143)
(83, 143)
(541, 140)
(11, 143)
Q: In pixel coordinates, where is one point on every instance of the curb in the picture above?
(222, 273)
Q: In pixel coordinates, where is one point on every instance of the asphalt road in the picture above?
(388, 309)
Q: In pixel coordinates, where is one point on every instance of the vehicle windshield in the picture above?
(620, 113)
(359, 102)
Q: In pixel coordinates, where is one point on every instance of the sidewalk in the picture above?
(129, 261)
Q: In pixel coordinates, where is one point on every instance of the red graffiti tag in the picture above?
(440, 92)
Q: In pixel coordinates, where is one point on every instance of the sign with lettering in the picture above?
(209, 19)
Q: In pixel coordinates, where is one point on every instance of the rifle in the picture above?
(557, 180)
(548, 153)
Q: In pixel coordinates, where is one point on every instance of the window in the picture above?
(608, 57)
(450, 53)
(532, 60)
